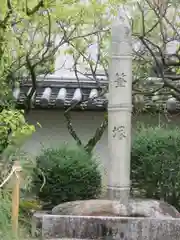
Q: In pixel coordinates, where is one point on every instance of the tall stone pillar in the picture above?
(119, 112)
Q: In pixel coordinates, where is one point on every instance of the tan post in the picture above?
(15, 197)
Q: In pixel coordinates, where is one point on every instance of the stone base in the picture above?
(78, 227)
(36, 223)
(105, 219)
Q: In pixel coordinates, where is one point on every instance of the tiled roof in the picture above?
(63, 93)
(86, 94)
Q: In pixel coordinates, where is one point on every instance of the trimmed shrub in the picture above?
(155, 164)
(70, 174)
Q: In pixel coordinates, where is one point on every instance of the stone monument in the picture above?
(119, 112)
(118, 202)
(119, 217)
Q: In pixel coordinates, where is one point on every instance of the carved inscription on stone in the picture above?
(120, 80)
(119, 132)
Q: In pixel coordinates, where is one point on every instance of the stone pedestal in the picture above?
(119, 112)
(111, 228)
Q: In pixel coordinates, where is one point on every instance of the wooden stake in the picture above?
(15, 198)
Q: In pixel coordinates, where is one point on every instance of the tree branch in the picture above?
(97, 136)
(31, 69)
(71, 129)
(3, 23)
(36, 8)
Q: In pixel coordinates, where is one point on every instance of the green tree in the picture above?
(28, 37)
(155, 26)
(29, 31)
(156, 53)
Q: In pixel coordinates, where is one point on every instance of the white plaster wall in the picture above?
(54, 131)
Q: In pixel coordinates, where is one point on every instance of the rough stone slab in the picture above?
(133, 208)
(125, 228)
